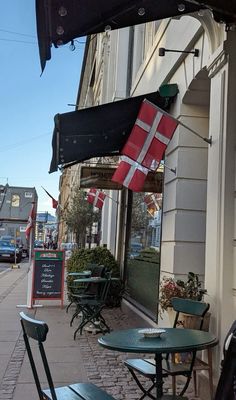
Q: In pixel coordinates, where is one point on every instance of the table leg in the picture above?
(159, 380)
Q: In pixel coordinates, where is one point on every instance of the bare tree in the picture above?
(139, 213)
(80, 216)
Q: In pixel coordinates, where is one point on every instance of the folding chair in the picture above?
(146, 367)
(37, 330)
(89, 290)
(91, 306)
(73, 288)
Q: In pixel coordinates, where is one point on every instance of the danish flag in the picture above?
(54, 201)
(96, 197)
(150, 136)
(152, 200)
(30, 222)
(130, 174)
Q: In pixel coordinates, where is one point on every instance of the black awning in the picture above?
(223, 10)
(96, 131)
(59, 22)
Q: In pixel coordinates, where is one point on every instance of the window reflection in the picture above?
(143, 256)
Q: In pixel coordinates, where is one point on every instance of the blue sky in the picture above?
(28, 101)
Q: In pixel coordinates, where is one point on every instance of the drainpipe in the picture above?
(130, 61)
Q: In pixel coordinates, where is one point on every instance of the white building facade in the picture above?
(198, 221)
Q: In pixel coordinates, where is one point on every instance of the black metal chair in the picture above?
(146, 367)
(37, 330)
(91, 306)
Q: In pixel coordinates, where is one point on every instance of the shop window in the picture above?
(143, 252)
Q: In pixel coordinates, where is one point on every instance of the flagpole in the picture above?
(169, 168)
(29, 303)
(207, 140)
(109, 197)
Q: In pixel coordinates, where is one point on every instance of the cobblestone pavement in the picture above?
(71, 361)
(105, 368)
(15, 360)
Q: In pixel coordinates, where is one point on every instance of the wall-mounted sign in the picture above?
(100, 178)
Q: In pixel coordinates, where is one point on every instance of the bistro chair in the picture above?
(37, 331)
(73, 288)
(87, 289)
(146, 367)
(91, 306)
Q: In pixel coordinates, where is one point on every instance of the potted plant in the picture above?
(190, 289)
(80, 260)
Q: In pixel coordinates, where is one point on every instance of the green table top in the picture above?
(82, 273)
(94, 279)
(173, 340)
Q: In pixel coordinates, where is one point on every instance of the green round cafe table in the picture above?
(172, 341)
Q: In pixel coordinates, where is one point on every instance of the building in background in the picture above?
(46, 227)
(15, 207)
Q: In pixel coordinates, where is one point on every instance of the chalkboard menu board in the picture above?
(48, 275)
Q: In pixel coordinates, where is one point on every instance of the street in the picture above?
(8, 265)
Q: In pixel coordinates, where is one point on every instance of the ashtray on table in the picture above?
(152, 332)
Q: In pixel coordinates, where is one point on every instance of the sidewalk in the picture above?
(70, 361)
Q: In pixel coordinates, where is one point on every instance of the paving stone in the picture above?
(84, 356)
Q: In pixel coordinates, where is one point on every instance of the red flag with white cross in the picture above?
(96, 197)
(150, 136)
(31, 220)
(153, 202)
(130, 174)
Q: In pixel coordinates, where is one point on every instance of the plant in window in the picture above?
(169, 288)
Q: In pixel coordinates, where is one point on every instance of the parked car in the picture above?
(18, 243)
(38, 244)
(9, 251)
(135, 250)
(9, 238)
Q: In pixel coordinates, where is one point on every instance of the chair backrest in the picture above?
(226, 388)
(91, 266)
(98, 270)
(190, 307)
(106, 287)
(94, 288)
(37, 330)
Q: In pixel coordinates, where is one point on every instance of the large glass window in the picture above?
(143, 253)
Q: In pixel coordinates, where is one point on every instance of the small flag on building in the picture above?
(150, 136)
(130, 174)
(54, 201)
(96, 197)
(31, 220)
(153, 202)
